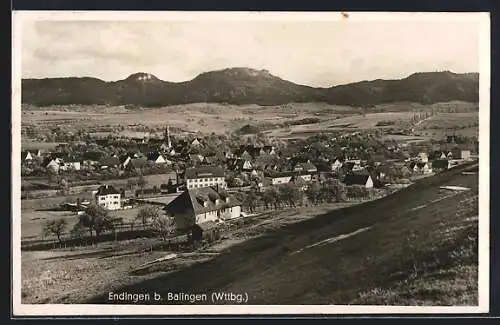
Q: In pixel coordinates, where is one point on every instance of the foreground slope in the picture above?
(418, 246)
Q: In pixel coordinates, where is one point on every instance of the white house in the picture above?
(108, 197)
(201, 205)
(336, 165)
(357, 179)
(422, 157)
(70, 165)
(196, 143)
(204, 177)
(276, 180)
(158, 158)
(26, 156)
(421, 168)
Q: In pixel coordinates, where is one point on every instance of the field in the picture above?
(442, 124)
(419, 251)
(61, 275)
(211, 117)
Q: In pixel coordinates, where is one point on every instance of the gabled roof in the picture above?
(199, 172)
(107, 189)
(356, 179)
(194, 199)
(24, 154)
(92, 155)
(440, 163)
(306, 166)
(153, 155)
(124, 158)
(137, 162)
(109, 161)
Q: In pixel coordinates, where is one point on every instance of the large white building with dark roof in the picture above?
(204, 177)
(201, 205)
(108, 197)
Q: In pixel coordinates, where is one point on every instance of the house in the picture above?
(94, 156)
(196, 159)
(269, 150)
(305, 167)
(300, 183)
(336, 165)
(204, 177)
(441, 164)
(197, 206)
(228, 154)
(137, 163)
(420, 167)
(422, 157)
(26, 156)
(437, 155)
(157, 158)
(53, 163)
(461, 154)
(196, 143)
(359, 179)
(280, 178)
(109, 162)
(125, 160)
(243, 164)
(70, 165)
(108, 197)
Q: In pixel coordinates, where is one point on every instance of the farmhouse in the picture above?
(243, 164)
(157, 158)
(305, 167)
(461, 154)
(422, 157)
(420, 167)
(359, 179)
(109, 162)
(26, 156)
(196, 143)
(280, 178)
(108, 197)
(196, 206)
(70, 165)
(136, 163)
(204, 177)
(336, 165)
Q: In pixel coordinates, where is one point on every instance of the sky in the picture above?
(315, 53)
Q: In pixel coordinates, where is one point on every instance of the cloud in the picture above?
(314, 53)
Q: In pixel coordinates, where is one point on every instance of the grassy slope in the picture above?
(415, 252)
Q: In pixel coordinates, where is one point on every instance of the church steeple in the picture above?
(167, 137)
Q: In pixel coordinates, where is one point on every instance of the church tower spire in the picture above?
(167, 137)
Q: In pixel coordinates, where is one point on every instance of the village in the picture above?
(184, 185)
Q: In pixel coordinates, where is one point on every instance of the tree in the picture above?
(147, 214)
(142, 182)
(131, 183)
(313, 193)
(272, 196)
(163, 225)
(251, 200)
(64, 186)
(52, 174)
(95, 219)
(55, 227)
(290, 193)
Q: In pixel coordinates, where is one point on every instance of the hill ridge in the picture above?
(243, 85)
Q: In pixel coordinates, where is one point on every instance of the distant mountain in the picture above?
(247, 86)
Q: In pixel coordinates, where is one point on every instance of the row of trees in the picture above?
(291, 195)
(96, 220)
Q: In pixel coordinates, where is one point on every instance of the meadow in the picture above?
(218, 118)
